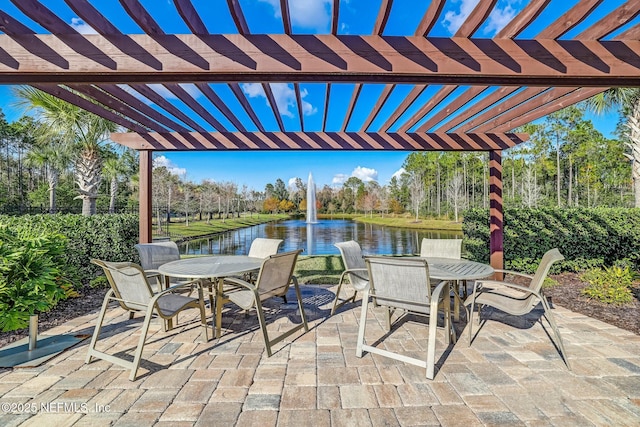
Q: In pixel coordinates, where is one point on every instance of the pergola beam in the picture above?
(319, 58)
(176, 141)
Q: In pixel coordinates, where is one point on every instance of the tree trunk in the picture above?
(113, 192)
(88, 178)
(634, 137)
(53, 183)
(558, 169)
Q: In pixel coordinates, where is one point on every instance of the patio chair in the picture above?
(130, 287)
(445, 248)
(274, 279)
(262, 248)
(518, 300)
(355, 271)
(153, 255)
(403, 284)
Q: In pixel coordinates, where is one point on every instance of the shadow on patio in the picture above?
(512, 374)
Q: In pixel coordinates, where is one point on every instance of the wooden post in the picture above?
(495, 211)
(145, 211)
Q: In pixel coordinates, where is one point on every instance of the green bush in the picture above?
(109, 237)
(610, 285)
(31, 275)
(587, 238)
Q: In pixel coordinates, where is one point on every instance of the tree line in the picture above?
(59, 158)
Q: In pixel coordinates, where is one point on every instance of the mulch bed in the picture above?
(566, 294)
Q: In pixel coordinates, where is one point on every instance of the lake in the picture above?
(319, 238)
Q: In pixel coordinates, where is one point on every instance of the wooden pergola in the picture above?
(485, 87)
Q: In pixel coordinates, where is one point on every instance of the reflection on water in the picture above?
(318, 239)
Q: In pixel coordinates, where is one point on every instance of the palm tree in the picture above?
(53, 160)
(626, 100)
(114, 169)
(85, 132)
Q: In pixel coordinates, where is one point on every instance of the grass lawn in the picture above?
(319, 269)
(201, 228)
(404, 222)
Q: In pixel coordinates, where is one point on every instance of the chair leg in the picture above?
(363, 322)
(431, 345)
(335, 301)
(300, 305)
(203, 315)
(550, 319)
(96, 331)
(141, 341)
(263, 327)
(473, 306)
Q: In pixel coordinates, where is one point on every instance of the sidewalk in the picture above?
(511, 375)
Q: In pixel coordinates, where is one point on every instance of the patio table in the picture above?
(214, 268)
(455, 269)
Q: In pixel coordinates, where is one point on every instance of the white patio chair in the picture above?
(355, 271)
(263, 248)
(274, 279)
(518, 300)
(131, 289)
(403, 284)
(153, 255)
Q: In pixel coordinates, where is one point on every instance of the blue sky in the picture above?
(255, 169)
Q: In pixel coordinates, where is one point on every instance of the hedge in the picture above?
(111, 237)
(586, 237)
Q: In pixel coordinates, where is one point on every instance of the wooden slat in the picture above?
(476, 18)
(430, 17)
(454, 105)
(548, 108)
(119, 106)
(220, 105)
(614, 20)
(383, 17)
(505, 105)
(273, 104)
(139, 14)
(296, 88)
(325, 111)
(335, 14)
(432, 103)
(191, 102)
(238, 16)
(242, 99)
(190, 16)
(94, 108)
(378, 105)
(286, 16)
(352, 103)
(476, 107)
(323, 141)
(402, 108)
(632, 33)
(569, 19)
(161, 102)
(522, 20)
(92, 17)
(63, 31)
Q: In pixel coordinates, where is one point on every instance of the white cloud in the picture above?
(365, 174)
(284, 95)
(499, 18)
(398, 173)
(454, 19)
(135, 93)
(307, 14)
(161, 90)
(339, 179)
(171, 167)
(292, 183)
(80, 26)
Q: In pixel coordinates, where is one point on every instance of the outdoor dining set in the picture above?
(434, 283)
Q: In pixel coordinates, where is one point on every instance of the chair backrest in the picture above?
(129, 283)
(153, 255)
(442, 248)
(352, 258)
(542, 271)
(262, 248)
(399, 282)
(275, 274)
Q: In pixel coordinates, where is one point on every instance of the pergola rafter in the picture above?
(462, 92)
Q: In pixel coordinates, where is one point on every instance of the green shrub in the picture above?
(610, 285)
(31, 275)
(108, 237)
(587, 238)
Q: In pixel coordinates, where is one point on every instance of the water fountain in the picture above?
(312, 216)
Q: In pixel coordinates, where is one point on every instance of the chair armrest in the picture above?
(355, 272)
(515, 273)
(239, 282)
(510, 285)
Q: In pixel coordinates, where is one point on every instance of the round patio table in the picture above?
(213, 268)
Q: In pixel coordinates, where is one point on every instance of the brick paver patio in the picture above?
(511, 375)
